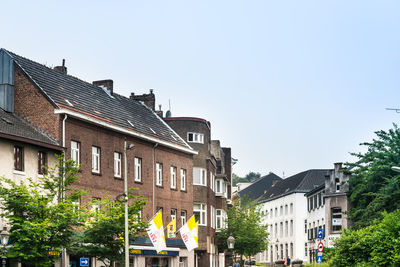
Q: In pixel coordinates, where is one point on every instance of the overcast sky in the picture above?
(288, 85)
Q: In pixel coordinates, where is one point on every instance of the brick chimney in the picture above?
(107, 84)
(61, 69)
(160, 112)
(148, 99)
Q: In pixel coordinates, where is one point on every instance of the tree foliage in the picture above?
(250, 177)
(39, 221)
(103, 235)
(375, 245)
(244, 223)
(374, 187)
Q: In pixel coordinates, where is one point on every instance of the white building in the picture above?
(285, 209)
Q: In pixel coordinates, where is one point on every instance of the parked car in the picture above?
(250, 263)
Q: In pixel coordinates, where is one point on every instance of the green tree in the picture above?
(250, 177)
(39, 221)
(375, 245)
(244, 223)
(374, 187)
(102, 236)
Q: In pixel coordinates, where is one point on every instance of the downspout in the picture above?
(64, 250)
(154, 178)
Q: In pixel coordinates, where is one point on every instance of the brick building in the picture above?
(212, 175)
(91, 122)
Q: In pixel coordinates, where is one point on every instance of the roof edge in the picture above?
(120, 129)
(31, 141)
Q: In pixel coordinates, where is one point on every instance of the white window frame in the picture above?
(183, 179)
(159, 171)
(138, 169)
(199, 176)
(195, 137)
(173, 214)
(75, 152)
(96, 154)
(220, 222)
(173, 177)
(212, 181)
(117, 164)
(183, 217)
(201, 208)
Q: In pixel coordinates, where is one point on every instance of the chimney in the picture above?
(61, 69)
(105, 84)
(148, 99)
(159, 112)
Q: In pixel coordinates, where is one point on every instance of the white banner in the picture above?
(156, 233)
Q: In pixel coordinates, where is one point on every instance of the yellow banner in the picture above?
(171, 229)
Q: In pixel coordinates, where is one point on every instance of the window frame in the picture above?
(183, 217)
(183, 179)
(42, 162)
(159, 174)
(117, 164)
(137, 162)
(173, 171)
(201, 174)
(76, 152)
(196, 137)
(96, 159)
(202, 213)
(19, 160)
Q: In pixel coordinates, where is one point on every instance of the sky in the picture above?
(288, 85)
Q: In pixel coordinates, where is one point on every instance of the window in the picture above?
(138, 169)
(221, 216)
(281, 251)
(315, 202)
(96, 206)
(76, 203)
(291, 250)
(291, 227)
(173, 177)
(336, 219)
(276, 229)
(270, 213)
(276, 212)
(220, 186)
(183, 179)
(212, 181)
(286, 210)
(42, 161)
(281, 211)
(18, 158)
(95, 159)
(337, 182)
(75, 152)
(117, 164)
(320, 199)
(212, 217)
(286, 229)
(291, 208)
(200, 213)
(305, 226)
(199, 176)
(323, 199)
(271, 230)
(159, 178)
(183, 217)
(286, 250)
(173, 214)
(305, 249)
(281, 229)
(196, 138)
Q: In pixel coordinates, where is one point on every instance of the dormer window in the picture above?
(196, 138)
(337, 184)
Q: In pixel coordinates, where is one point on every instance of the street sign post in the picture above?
(84, 262)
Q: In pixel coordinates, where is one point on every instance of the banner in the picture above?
(189, 233)
(156, 232)
(171, 229)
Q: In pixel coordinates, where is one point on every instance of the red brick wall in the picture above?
(105, 184)
(31, 104)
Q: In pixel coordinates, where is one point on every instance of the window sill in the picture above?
(160, 186)
(118, 178)
(200, 184)
(174, 189)
(138, 182)
(96, 173)
(19, 172)
(183, 190)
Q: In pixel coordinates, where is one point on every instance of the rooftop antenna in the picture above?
(283, 174)
(169, 104)
(395, 109)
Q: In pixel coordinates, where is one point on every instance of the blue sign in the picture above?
(84, 262)
(319, 259)
(321, 233)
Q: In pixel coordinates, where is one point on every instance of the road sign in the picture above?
(321, 233)
(319, 259)
(320, 247)
(84, 262)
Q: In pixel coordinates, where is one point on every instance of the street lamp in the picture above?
(395, 168)
(130, 146)
(4, 235)
(231, 244)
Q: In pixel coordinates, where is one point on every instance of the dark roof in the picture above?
(258, 187)
(68, 92)
(317, 189)
(15, 127)
(301, 182)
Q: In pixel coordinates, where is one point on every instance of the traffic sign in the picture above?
(84, 261)
(319, 259)
(321, 233)
(320, 247)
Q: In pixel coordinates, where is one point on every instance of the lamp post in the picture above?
(126, 202)
(4, 235)
(231, 244)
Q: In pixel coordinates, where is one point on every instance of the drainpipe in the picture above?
(154, 178)
(64, 250)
